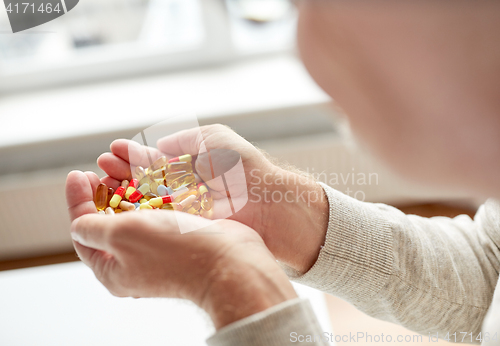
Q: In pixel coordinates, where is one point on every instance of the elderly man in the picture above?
(420, 82)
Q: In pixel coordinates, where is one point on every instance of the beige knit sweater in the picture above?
(434, 275)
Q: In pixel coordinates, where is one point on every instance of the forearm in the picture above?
(430, 275)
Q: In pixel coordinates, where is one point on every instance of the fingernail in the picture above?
(75, 171)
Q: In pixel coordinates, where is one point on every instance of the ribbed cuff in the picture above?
(276, 326)
(357, 258)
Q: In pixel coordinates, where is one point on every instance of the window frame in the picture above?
(120, 61)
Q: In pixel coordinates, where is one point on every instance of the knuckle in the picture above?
(220, 128)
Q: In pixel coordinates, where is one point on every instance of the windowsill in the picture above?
(250, 86)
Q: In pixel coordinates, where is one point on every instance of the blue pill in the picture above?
(162, 190)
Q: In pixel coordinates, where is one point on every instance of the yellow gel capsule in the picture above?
(145, 206)
(206, 198)
(207, 202)
(159, 174)
(184, 180)
(177, 207)
(196, 205)
(139, 173)
(192, 211)
(207, 214)
(170, 177)
(101, 197)
(144, 200)
(146, 180)
(159, 163)
(167, 206)
(179, 166)
(126, 206)
(202, 188)
(118, 211)
(154, 187)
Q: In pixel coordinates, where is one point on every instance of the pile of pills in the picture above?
(166, 184)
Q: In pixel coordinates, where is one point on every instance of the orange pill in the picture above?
(101, 197)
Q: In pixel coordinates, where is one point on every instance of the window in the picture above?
(115, 38)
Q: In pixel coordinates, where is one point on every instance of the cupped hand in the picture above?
(216, 149)
(288, 210)
(143, 254)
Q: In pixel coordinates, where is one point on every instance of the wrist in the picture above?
(238, 289)
(297, 219)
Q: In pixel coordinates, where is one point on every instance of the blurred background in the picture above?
(109, 69)
(121, 38)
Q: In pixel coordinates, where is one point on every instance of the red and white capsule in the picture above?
(117, 197)
(183, 158)
(139, 193)
(159, 201)
(134, 183)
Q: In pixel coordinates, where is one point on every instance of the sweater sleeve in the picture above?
(431, 275)
(288, 323)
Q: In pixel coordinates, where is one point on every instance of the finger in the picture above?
(182, 142)
(79, 195)
(114, 166)
(111, 182)
(80, 201)
(92, 231)
(134, 153)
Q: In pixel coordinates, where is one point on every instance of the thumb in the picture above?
(92, 231)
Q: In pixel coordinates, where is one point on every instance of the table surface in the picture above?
(64, 304)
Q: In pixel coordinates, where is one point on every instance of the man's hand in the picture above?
(143, 254)
(288, 210)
